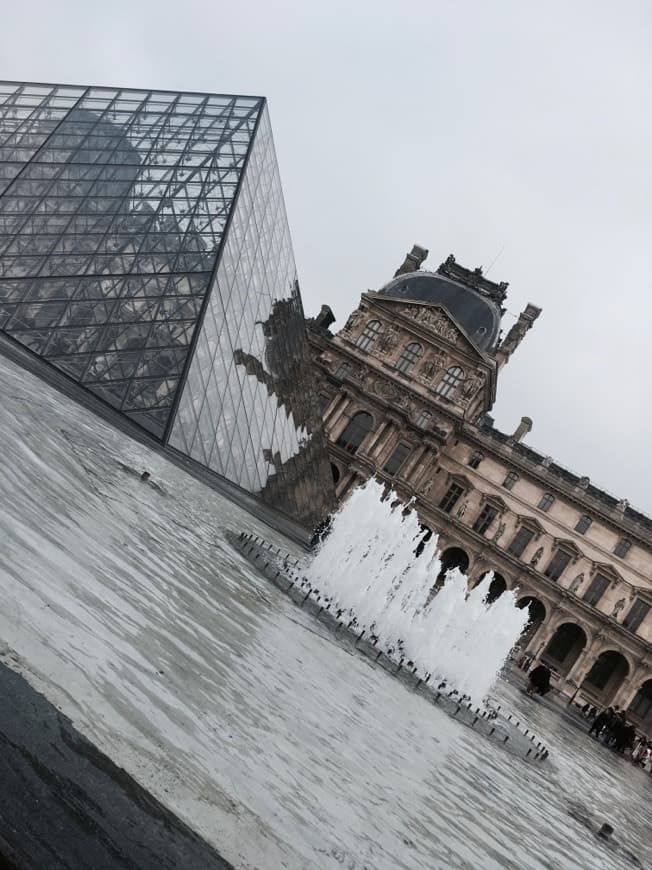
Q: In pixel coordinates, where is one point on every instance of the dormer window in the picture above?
(405, 363)
(546, 502)
(450, 382)
(369, 334)
(510, 480)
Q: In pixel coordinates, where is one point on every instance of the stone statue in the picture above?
(618, 606)
(577, 582)
(352, 322)
(622, 505)
(387, 340)
(425, 489)
(462, 510)
(472, 384)
(429, 368)
(499, 533)
(534, 561)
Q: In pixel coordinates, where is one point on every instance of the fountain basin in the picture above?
(498, 726)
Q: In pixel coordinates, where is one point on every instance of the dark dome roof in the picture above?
(478, 315)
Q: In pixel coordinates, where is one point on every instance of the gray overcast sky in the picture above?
(463, 126)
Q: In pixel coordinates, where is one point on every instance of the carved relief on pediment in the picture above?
(433, 319)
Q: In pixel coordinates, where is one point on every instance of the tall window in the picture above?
(407, 359)
(558, 565)
(343, 371)
(451, 380)
(520, 542)
(396, 460)
(356, 431)
(476, 459)
(622, 548)
(546, 501)
(369, 334)
(510, 480)
(451, 498)
(485, 519)
(596, 590)
(424, 419)
(583, 524)
(637, 613)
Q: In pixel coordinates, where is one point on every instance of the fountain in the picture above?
(372, 581)
(368, 571)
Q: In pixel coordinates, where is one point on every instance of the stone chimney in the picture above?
(517, 333)
(325, 318)
(522, 429)
(412, 261)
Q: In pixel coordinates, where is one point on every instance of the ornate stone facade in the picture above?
(405, 389)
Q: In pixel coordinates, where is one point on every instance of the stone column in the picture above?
(378, 444)
(334, 407)
(413, 462)
(335, 418)
(380, 432)
(345, 483)
(424, 470)
(625, 692)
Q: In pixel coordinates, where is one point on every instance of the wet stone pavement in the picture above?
(63, 804)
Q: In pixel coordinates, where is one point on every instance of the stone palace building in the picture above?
(405, 389)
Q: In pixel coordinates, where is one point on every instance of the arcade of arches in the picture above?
(602, 677)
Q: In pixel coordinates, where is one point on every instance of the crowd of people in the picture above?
(612, 728)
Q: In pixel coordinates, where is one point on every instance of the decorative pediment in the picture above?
(607, 571)
(569, 547)
(434, 319)
(532, 524)
(495, 501)
(461, 480)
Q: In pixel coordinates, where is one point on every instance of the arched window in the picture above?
(583, 524)
(369, 334)
(356, 431)
(546, 502)
(510, 480)
(450, 381)
(408, 358)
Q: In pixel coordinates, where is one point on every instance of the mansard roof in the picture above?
(477, 312)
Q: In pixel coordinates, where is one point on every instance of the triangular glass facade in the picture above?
(145, 252)
(112, 209)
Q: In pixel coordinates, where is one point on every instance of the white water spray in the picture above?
(368, 569)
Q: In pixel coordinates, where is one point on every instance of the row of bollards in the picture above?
(281, 569)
